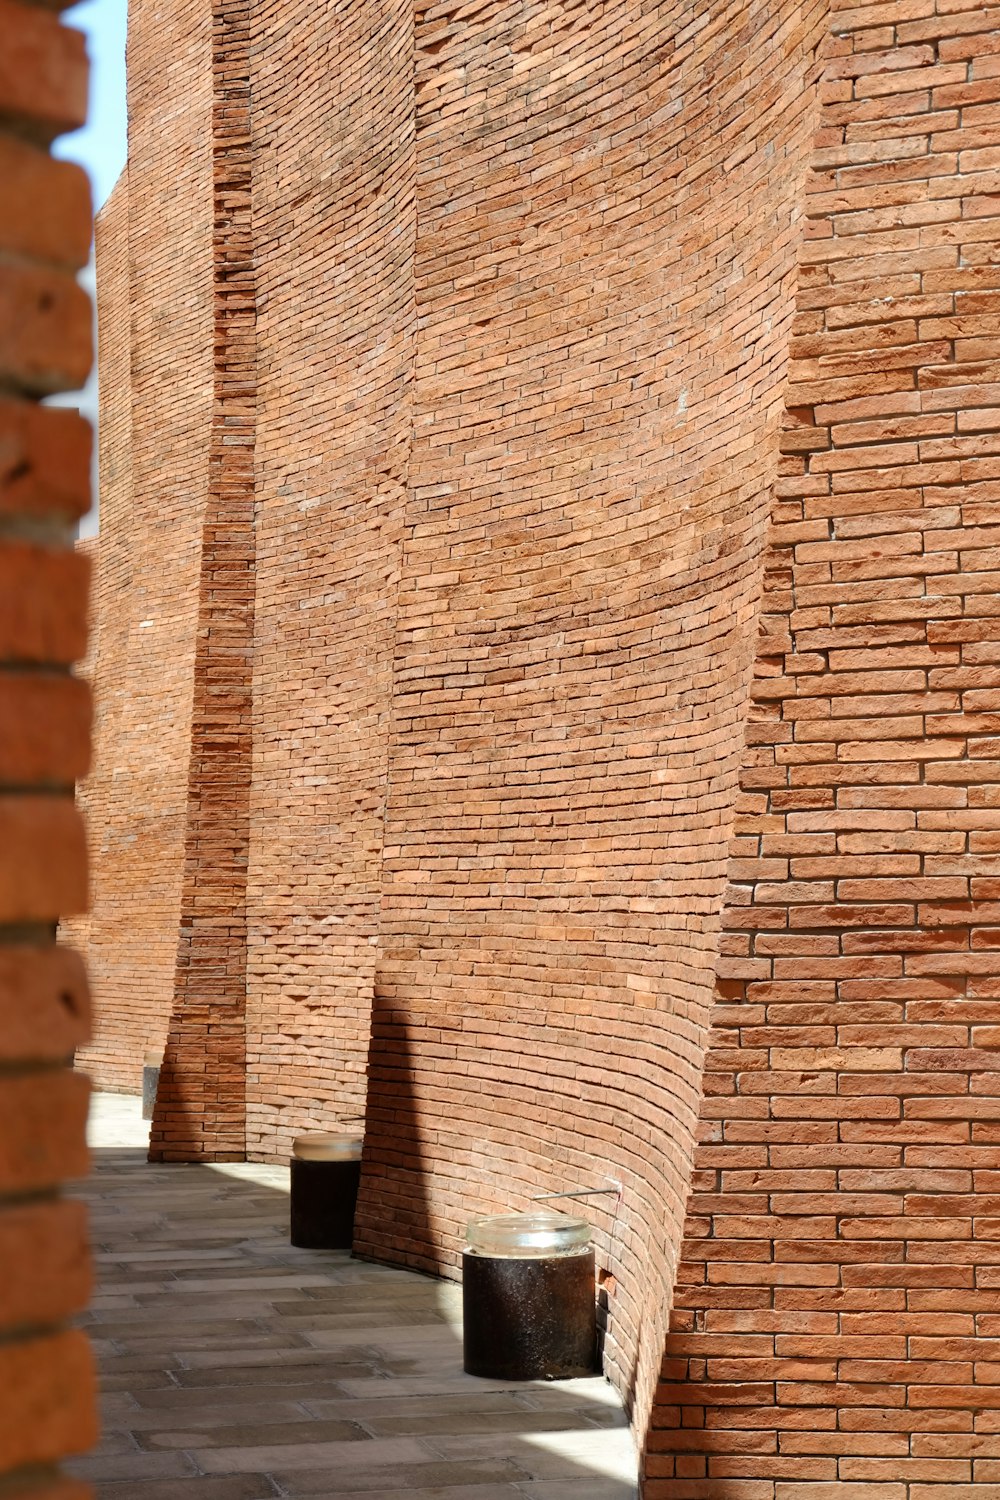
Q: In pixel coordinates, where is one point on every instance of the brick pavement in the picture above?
(235, 1367)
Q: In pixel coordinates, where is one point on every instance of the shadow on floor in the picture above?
(235, 1367)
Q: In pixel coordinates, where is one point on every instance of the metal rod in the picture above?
(576, 1193)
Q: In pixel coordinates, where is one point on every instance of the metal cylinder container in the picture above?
(325, 1176)
(529, 1298)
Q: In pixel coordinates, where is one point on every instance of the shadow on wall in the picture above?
(413, 1204)
(250, 1368)
(394, 1218)
(396, 1222)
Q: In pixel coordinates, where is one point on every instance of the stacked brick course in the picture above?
(574, 344)
(595, 421)
(46, 1407)
(202, 1083)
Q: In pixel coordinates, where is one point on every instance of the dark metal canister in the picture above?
(529, 1319)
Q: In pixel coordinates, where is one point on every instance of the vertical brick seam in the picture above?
(836, 1311)
(201, 1103)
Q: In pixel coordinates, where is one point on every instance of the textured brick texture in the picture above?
(834, 1320)
(599, 453)
(334, 225)
(46, 1379)
(155, 249)
(594, 431)
(202, 1081)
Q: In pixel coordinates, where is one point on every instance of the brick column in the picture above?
(201, 1107)
(46, 1384)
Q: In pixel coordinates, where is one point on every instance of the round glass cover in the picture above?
(320, 1146)
(520, 1236)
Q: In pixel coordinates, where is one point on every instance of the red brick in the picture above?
(46, 1260)
(43, 72)
(47, 1412)
(45, 328)
(44, 1004)
(43, 1117)
(47, 1406)
(43, 604)
(44, 206)
(45, 872)
(44, 729)
(44, 460)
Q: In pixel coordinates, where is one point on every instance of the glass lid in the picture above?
(321, 1146)
(539, 1232)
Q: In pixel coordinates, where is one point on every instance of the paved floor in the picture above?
(236, 1368)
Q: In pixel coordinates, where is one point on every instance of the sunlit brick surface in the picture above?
(333, 224)
(837, 1303)
(608, 218)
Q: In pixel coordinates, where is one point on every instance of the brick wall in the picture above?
(595, 424)
(154, 240)
(45, 1373)
(556, 310)
(836, 1312)
(201, 1102)
(333, 227)
(110, 555)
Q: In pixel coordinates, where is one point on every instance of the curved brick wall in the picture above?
(608, 212)
(836, 1312)
(333, 223)
(201, 1100)
(110, 557)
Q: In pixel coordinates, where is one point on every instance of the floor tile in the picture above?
(237, 1367)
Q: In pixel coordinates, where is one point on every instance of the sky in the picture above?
(100, 147)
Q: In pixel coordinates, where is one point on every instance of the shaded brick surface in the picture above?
(201, 1106)
(333, 227)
